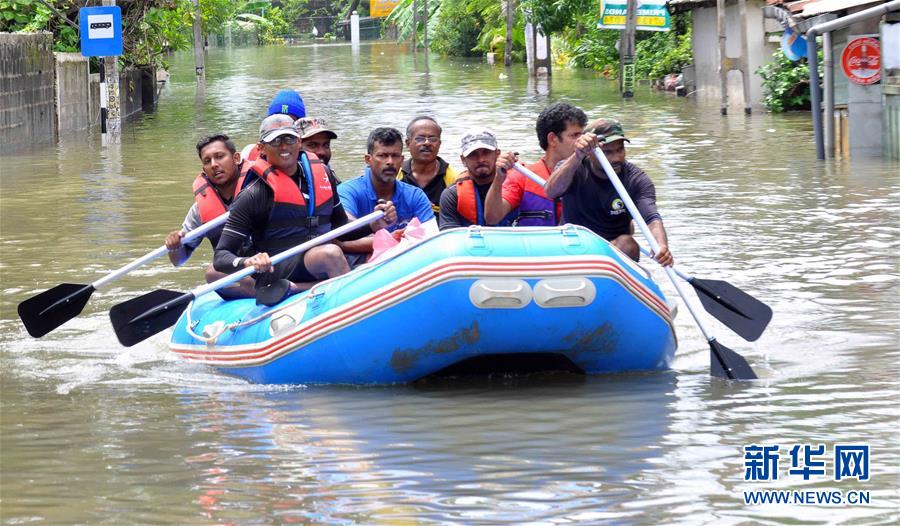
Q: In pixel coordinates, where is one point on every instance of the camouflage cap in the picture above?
(275, 126)
(477, 139)
(310, 126)
(610, 129)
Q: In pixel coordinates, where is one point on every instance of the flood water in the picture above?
(96, 433)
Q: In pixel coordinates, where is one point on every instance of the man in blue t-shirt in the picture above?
(379, 182)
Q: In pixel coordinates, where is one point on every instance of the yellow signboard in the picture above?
(381, 8)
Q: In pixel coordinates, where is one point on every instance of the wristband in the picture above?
(238, 262)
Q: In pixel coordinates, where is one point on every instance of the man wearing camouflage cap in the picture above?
(590, 199)
(291, 199)
(462, 204)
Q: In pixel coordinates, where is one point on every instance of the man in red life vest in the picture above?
(462, 204)
(558, 127)
(214, 191)
(291, 199)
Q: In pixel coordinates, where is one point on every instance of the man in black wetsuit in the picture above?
(291, 199)
(589, 198)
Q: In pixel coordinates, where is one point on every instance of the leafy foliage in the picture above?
(662, 53)
(786, 83)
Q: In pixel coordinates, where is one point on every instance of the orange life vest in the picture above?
(208, 199)
(469, 205)
(293, 219)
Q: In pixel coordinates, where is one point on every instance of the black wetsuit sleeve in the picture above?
(250, 208)
(643, 192)
(449, 213)
(339, 217)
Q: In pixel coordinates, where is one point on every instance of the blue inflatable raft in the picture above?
(464, 294)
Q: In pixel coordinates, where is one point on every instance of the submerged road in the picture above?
(94, 432)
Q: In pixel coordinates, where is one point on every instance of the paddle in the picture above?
(139, 318)
(739, 311)
(724, 362)
(53, 307)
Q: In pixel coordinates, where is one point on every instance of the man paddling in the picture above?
(214, 191)
(292, 199)
(557, 127)
(462, 204)
(590, 199)
(425, 168)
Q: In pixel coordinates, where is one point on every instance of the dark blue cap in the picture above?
(288, 102)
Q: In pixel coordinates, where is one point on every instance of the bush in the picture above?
(786, 83)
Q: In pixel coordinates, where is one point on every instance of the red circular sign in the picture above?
(861, 60)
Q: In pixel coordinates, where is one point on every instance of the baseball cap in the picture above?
(477, 139)
(288, 102)
(610, 129)
(275, 126)
(310, 126)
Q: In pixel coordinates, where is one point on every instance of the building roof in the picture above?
(797, 8)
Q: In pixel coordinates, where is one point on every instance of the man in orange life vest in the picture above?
(463, 203)
(558, 127)
(291, 199)
(214, 191)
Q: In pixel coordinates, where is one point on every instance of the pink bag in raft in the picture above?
(386, 246)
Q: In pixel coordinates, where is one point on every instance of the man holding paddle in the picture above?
(558, 127)
(590, 199)
(292, 199)
(214, 191)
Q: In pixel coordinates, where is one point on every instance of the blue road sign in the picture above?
(101, 31)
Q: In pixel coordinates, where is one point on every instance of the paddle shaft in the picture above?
(328, 236)
(645, 230)
(681, 274)
(193, 234)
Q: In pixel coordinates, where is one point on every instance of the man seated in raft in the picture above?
(558, 127)
(214, 192)
(282, 208)
(463, 203)
(590, 199)
(425, 168)
(379, 182)
(316, 137)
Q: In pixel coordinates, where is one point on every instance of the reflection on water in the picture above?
(94, 432)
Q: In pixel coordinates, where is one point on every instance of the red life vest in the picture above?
(292, 219)
(208, 200)
(534, 208)
(469, 205)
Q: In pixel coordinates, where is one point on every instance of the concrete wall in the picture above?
(73, 94)
(27, 101)
(706, 51)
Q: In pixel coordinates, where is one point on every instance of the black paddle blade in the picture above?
(725, 363)
(53, 307)
(140, 318)
(741, 312)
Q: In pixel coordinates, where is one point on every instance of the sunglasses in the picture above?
(283, 139)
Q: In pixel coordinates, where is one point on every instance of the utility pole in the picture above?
(109, 94)
(626, 51)
(198, 44)
(415, 35)
(425, 24)
(510, 21)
